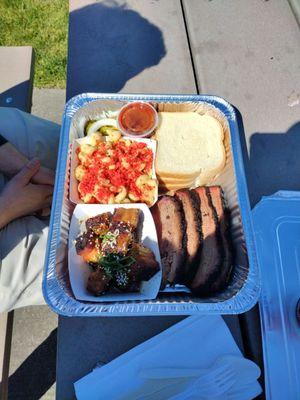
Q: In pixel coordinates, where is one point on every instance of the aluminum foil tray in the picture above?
(244, 288)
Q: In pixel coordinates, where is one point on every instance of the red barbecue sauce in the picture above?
(137, 118)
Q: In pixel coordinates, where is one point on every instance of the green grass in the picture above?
(42, 24)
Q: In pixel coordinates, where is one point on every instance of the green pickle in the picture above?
(87, 125)
(106, 130)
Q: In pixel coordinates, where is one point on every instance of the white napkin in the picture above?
(195, 342)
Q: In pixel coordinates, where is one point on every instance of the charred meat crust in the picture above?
(99, 224)
(210, 286)
(180, 272)
(122, 231)
(98, 282)
(128, 216)
(145, 266)
(211, 259)
(223, 215)
(219, 274)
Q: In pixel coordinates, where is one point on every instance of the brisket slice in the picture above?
(170, 225)
(224, 223)
(202, 282)
(191, 209)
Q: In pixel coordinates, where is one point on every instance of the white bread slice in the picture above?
(174, 186)
(171, 179)
(179, 176)
(205, 177)
(187, 144)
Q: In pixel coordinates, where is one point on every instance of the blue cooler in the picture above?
(277, 234)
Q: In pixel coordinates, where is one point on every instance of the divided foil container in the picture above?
(244, 288)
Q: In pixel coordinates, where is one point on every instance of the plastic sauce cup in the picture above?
(137, 119)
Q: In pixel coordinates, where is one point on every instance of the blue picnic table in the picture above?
(246, 52)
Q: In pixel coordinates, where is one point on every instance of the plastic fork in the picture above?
(210, 382)
(245, 387)
(242, 392)
(213, 384)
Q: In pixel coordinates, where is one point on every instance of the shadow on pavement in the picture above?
(273, 163)
(36, 374)
(108, 45)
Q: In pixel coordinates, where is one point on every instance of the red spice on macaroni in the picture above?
(116, 172)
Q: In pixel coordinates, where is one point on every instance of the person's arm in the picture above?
(12, 161)
(20, 197)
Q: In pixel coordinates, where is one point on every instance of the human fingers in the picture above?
(48, 200)
(45, 212)
(42, 199)
(45, 176)
(45, 190)
(27, 172)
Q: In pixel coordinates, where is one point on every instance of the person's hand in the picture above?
(44, 176)
(20, 197)
(12, 161)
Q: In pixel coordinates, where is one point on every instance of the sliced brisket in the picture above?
(223, 220)
(170, 226)
(191, 209)
(201, 280)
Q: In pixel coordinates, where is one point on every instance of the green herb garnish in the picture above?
(113, 263)
(110, 237)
